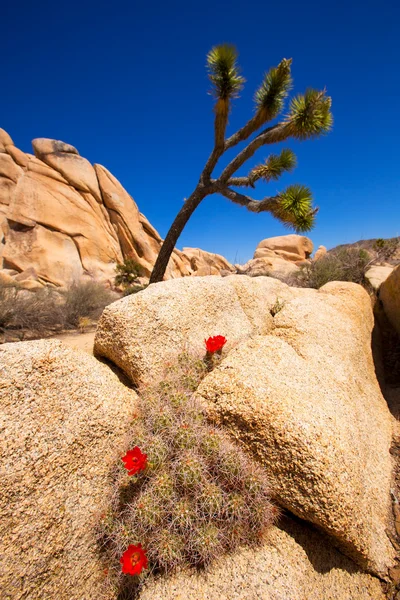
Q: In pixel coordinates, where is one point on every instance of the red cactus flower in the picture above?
(135, 460)
(215, 343)
(134, 560)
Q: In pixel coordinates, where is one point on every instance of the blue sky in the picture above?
(125, 83)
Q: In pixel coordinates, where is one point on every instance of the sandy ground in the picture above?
(79, 341)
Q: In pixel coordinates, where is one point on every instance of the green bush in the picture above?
(342, 264)
(127, 272)
(199, 496)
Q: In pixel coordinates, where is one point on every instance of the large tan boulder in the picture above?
(55, 256)
(270, 264)
(389, 294)
(142, 331)
(66, 160)
(5, 140)
(136, 242)
(296, 563)
(291, 247)
(320, 253)
(305, 401)
(205, 263)
(8, 168)
(60, 191)
(377, 274)
(65, 417)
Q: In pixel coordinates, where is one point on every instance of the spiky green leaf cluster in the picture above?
(294, 208)
(275, 87)
(223, 71)
(310, 115)
(274, 166)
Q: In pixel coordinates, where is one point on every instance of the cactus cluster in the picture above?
(199, 495)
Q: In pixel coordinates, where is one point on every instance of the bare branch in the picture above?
(256, 206)
(210, 165)
(241, 182)
(271, 135)
(242, 134)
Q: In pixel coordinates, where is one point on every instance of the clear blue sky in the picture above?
(125, 83)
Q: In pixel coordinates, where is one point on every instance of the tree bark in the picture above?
(173, 234)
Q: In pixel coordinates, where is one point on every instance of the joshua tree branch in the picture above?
(242, 134)
(241, 182)
(271, 135)
(256, 206)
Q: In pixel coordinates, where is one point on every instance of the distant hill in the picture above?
(389, 253)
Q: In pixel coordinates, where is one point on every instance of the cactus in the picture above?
(198, 496)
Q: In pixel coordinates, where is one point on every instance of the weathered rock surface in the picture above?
(64, 417)
(153, 326)
(303, 396)
(389, 294)
(291, 247)
(268, 265)
(280, 256)
(68, 219)
(320, 252)
(204, 263)
(377, 274)
(296, 563)
(305, 400)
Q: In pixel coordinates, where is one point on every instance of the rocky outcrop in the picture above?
(306, 402)
(320, 252)
(296, 563)
(299, 389)
(291, 247)
(377, 274)
(280, 256)
(64, 421)
(203, 263)
(69, 220)
(389, 294)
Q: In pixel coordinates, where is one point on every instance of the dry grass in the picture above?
(41, 312)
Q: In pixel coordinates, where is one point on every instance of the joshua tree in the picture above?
(309, 116)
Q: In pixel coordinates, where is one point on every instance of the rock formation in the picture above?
(296, 386)
(299, 390)
(389, 294)
(281, 256)
(64, 219)
(65, 416)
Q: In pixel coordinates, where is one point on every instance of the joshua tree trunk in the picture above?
(175, 231)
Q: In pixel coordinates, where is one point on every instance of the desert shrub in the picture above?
(199, 495)
(127, 272)
(85, 299)
(133, 289)
(342, 264)
(386, 248)
(8, 295)
(38, 310)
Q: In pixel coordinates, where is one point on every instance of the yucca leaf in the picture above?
(270, 96)
(223, 71)
(310, 114)
(274, 166)
(294, 208)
